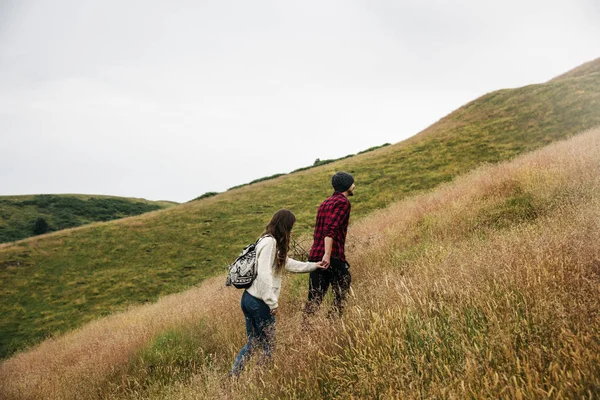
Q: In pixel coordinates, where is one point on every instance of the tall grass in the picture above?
(488, 287)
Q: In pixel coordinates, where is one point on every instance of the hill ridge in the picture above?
(588, 68)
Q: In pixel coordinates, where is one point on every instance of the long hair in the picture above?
(280, 228)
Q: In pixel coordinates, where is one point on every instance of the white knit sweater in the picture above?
(267, 284)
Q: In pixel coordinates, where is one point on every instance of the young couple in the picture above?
(327, 266)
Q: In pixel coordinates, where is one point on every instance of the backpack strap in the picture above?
(262, 237)
(258, 240)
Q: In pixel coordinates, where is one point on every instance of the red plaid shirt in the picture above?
(332, 221)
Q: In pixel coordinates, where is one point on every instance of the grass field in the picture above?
(57, 282)
(487, 287)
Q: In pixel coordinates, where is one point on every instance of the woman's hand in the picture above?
(274, 311)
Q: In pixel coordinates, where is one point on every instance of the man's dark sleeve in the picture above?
(335, 218)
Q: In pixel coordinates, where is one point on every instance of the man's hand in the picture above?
(326, 261)
(274, 311)
(321, 265)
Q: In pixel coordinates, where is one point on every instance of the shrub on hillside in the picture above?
(206, 195)
(40, 226)
(266, 178)
(374, 148)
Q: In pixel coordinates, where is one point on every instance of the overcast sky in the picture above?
(171, 99)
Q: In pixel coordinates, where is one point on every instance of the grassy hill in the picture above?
(587, 68)
(25, 216)
(487, 287)
(58, 282)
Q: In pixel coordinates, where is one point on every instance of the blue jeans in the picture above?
(260, 329)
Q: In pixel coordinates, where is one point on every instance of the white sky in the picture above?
(171, 99)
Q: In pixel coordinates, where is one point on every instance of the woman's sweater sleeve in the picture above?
(299, 266)
(265, 260)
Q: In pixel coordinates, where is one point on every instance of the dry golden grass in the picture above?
(488, 287)
(72, 366)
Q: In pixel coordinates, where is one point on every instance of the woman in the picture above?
(259, 301)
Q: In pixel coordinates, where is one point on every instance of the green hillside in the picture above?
(55, 283)
(25, 216)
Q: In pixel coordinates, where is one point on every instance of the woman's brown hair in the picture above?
(280, 228)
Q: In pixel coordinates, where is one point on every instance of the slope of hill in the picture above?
(25, 216)
(588, 68)
(57, 283)
(488, 287)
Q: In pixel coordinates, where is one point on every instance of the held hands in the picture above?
(322, 265)
(326, 261)
(274, 311)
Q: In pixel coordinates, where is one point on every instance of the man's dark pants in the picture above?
(338, 276)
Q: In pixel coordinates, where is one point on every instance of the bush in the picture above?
(40, 226)
(266, 178)
(373, 148)
(205, 196)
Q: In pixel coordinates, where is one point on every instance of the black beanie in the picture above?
(342, 181)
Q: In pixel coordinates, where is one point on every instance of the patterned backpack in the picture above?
(244, 269)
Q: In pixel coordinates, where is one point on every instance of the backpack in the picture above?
(244, 269)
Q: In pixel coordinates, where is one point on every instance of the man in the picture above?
(328, 246)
